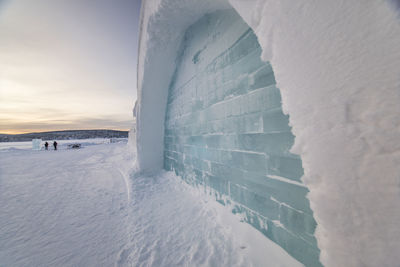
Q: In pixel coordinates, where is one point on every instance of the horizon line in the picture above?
(64, 130)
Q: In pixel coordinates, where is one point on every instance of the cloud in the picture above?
(67, 61)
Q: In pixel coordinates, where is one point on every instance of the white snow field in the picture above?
(80, 208)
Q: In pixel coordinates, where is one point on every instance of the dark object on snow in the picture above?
(74, 146)
(55, 145)
(46, 146)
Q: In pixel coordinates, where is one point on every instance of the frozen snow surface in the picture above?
(80, 208)
(337, 64)
(62, 208)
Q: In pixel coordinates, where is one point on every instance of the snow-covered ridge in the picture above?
(337, 64)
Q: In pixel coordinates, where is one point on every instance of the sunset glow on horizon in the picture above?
(67, 65)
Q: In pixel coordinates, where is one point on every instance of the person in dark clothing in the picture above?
(55, 145)
(46, 146)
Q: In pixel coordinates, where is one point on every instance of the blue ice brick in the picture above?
(206, 166)
(229, 106)
(238, 125)
(252, 123)
(170, 146)
(213, 154)
(208, 114)
(243, 105)
(271, 143)
(187, 160)
(196, 140)
(263, 77)
(286, 166)
(201, 152)
(173, 155)
(178, 157)
(291, 194)
(197, 163)
(225, 157)
(212, 97)
(227, 141)
(243, 46)
(213, 141)
(275, 121)
(270, 97)
(193, 116)
(179, 168)
(298, 222)
(218, 183)
(180, 139)
(168, 139)
(179, 148)
(189, 150)
(249, 161)
(226, 172)
(231, 125)
(254, 100)
(301, 250)
(261, 204)
(248, 64)
(239, 87)
(167, 164)
(212, 127)
(167, 153)
(251, 217)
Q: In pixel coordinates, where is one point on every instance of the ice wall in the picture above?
(163, 23)
(225, 130)
(337, 64)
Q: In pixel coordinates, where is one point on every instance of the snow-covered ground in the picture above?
(62, 144)
(80, 208)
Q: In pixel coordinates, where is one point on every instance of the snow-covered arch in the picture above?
(337, 64)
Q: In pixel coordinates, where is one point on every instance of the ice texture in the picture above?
(337, 65)
(225, 131)
(161, 31)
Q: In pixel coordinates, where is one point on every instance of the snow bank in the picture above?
(337, 64)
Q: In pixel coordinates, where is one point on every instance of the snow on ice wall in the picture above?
(225, 130)
(337, 64)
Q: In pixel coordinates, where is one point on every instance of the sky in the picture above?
(67, 64)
